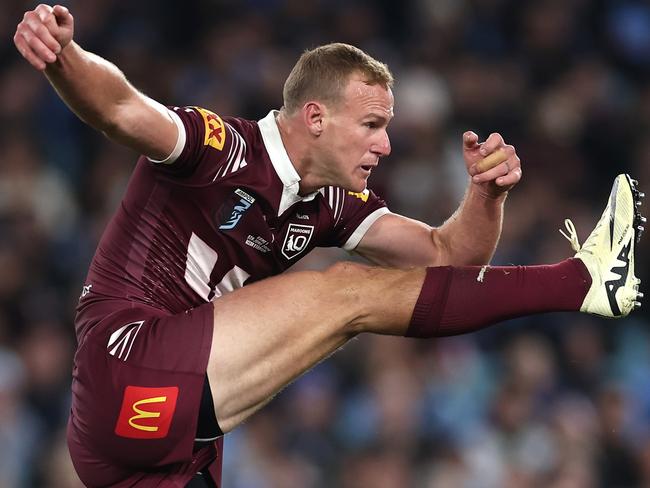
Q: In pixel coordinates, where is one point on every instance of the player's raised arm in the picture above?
(471, 234)
(94, 89)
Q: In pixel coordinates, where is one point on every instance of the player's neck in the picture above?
(297, 148)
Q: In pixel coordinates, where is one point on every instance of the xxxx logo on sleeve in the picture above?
(363, 196)
(146, 413)
(215, 131)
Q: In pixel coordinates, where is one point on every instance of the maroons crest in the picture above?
(296, 240)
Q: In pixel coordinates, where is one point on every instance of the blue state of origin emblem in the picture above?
(234, 208)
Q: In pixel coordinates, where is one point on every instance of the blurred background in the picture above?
(559, 400)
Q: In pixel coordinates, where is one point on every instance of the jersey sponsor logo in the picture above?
(146, 413)
(233, 209)
(85, 290)
(620, 271)
(296, 240)
(215, 132)
(259, 243)
(363, 196)
(121, 341)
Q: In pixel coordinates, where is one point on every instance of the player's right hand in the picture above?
(43, 33)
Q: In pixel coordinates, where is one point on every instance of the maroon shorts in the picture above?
(137, 383)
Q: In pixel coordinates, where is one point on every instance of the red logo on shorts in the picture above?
(146, 412)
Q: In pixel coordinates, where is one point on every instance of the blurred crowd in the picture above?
(559, 400)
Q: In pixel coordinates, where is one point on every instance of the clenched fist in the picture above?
(43, 33)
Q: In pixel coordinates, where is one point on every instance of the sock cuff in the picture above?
(430, 303)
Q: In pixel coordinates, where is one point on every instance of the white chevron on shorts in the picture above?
(121, 341)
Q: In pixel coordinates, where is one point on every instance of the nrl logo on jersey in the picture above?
(296, 240)
(233, 209)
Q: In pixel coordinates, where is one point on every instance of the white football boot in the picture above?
(608, 252)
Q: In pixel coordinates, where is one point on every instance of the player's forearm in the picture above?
(471, 234)
(92, 87)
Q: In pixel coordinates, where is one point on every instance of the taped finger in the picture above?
(491, 161)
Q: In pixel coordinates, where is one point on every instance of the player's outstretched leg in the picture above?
(608, 252)
(268, 333)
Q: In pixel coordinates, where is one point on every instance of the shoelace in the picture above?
(572, 235)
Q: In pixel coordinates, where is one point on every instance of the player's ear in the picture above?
(313, 113)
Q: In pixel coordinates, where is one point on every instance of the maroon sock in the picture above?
(454, 301)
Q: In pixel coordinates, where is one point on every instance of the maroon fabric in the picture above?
(456, 302)
(184, 234)
(431, 302)
(170, 210)
(113, 437)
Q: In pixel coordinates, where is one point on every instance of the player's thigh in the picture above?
(268, 333)
(137, 386)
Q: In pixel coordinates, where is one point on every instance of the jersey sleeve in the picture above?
(208, 147)
(353, 214)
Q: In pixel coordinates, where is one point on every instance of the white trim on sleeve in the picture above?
(180, 142)
(360, 231)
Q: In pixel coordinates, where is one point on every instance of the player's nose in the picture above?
(383, 147)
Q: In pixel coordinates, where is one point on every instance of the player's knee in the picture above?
(348, 280)
(350, 290)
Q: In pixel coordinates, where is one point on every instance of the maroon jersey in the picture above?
(222, 211)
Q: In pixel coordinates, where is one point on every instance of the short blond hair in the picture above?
(322, 74)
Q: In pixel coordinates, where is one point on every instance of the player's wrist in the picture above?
(64, 58)
(484, 192)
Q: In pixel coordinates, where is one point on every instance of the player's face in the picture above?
(355, 135)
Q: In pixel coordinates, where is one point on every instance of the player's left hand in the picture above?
(499, 172)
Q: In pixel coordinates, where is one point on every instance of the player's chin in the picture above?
(357, 185)
(360, 178)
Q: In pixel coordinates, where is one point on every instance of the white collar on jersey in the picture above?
(281, 163)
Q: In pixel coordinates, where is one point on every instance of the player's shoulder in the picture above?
(218, 126)
(222, 138)
(337, 199)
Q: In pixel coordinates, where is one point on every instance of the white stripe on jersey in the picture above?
(234, 144)
(240, 160)
(236, 155)
(340, 201)
(336, 200)
(336, 208)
